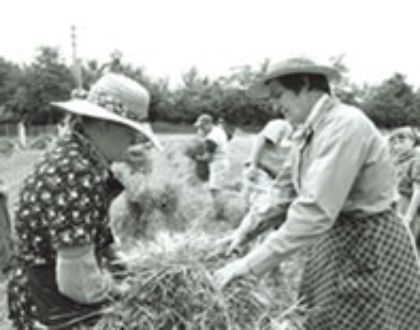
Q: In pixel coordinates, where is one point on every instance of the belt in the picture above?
(272, 174)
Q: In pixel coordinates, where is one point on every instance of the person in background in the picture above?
(271, 147)
(407, 161)
(361, 270)
(64, 240)
(270, 150)
(217, 154)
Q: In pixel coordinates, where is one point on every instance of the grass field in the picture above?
(193, 211)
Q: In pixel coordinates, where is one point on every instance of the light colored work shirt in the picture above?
(275, 150)
(218, 136)
(276, 130)
(341, 163)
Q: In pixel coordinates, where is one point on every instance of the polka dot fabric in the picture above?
(63, 203)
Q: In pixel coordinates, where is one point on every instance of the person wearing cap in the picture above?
(217, 149)
(64, 239)
(362, 271)
(407, 161)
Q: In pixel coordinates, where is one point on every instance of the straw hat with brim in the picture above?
(118, 99)
(295, 66)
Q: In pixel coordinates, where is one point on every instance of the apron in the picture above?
(364, 274)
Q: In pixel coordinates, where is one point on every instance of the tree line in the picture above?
(27, 90)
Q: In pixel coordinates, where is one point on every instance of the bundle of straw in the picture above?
(173, 289)
(194, 150)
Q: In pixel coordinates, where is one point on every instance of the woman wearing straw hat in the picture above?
(62, 226)
(362, 271)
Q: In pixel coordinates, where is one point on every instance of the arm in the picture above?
(258, 146)
(339, 155)
(340, 150)
(210, 147)
(269, 212)
(76, 232)
(414, 204)
(79, 277)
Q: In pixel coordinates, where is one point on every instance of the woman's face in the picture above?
(204, 129)
(293, 106)
(117, 139)
(400, 143)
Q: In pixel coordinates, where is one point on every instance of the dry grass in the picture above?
(168, 221)
(172, 196)
(173, 289)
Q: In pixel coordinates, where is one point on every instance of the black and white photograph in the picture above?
(209, 165)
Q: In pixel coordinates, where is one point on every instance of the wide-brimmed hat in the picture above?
(298, 65)
(118, 99)
(203, 119)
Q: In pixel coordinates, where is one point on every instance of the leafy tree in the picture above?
(392, 103)
(48, 79)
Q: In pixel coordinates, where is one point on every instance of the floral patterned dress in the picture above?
(63, 203)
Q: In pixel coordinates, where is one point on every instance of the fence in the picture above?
(12, 130)
(8, 130)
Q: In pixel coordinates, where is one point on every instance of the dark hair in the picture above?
(297, 81)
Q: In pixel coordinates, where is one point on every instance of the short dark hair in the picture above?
(296, 82)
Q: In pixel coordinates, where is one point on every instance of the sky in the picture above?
(166, 38)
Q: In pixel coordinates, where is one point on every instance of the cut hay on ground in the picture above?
(173, 288)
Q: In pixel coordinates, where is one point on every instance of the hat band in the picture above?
(113, 105)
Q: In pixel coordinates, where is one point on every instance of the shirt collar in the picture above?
(316, 112)
(315, 115)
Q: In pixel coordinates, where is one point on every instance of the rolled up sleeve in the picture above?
(339, 150)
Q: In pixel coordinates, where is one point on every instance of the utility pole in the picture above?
(77, 70)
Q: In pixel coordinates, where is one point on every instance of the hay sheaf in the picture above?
(173, 288)
(193, 150)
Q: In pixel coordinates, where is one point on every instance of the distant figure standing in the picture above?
(217, 154)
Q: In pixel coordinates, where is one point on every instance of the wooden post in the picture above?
(22, 134)
(77, 70)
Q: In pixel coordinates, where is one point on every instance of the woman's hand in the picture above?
(114, 261)
(252, 173)
(120, 289)
(229, 272)
(235, 242)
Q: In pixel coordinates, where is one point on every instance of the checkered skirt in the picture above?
(363, 275)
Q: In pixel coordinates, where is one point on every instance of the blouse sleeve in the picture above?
(76, 208)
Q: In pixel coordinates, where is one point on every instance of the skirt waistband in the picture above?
(361, 216)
